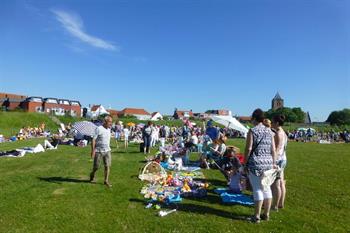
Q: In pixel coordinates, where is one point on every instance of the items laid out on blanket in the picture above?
(171, 177)
(234, 198)
(167, 187)
(22, 151)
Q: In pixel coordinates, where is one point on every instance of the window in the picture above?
(35, 99)
(51, 101)
(65, 102)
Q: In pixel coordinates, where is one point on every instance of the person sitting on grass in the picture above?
(234, 176)
(52, 143)
(219, 148)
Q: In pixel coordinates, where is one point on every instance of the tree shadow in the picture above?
(59, 180)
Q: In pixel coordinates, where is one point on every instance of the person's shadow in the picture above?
(200, 209)
(59, 180)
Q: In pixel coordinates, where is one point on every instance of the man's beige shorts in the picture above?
(105, 156)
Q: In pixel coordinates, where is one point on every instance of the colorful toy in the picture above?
(169, 180)
(186, 188)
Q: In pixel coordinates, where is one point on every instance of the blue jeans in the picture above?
(147, 141)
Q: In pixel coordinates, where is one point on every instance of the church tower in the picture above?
(277, 102)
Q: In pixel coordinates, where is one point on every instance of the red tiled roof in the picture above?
(134, 111)
(113, 112)
(244, 118)
(95, 107)
(223, 112)
(11, 96)
(181, 113)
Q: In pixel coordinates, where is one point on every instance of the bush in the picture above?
(339, 117)
(294, 115)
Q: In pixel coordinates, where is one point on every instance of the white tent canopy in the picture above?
(230, 122)
(99, 111)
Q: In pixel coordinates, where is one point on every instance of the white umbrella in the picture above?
(84, 128)
(230, 122)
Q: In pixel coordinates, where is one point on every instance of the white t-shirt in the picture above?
(194, 139)
(281, 154)
(126, 132)
(103, 138)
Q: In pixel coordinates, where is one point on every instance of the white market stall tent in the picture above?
(230, 122)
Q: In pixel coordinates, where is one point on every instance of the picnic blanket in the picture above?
(228, 197)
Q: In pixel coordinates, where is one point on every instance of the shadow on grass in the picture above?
(59, 180)
(202, 210)
(121, 151)
(217, 183)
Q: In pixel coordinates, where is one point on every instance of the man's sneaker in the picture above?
(108, 184)
(92, 179)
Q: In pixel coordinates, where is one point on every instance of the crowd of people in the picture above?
(27, 132)
(310, 135)
(265, 151)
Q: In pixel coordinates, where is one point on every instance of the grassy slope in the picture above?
(47, 193)
(11, 122)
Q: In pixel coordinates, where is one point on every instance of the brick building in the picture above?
(11, 101)
(33, 104)
(38, 104)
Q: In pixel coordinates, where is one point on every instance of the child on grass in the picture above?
(234, 176)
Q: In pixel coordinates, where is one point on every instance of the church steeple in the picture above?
(277, 102)
(277, 96)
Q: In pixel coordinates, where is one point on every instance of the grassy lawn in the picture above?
(48, 192)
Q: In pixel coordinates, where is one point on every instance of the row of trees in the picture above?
(297, 115)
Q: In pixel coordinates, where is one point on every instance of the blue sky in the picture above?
(160, 54)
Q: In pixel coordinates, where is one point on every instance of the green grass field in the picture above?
(49, 192)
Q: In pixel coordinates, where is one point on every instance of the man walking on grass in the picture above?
(100, 149)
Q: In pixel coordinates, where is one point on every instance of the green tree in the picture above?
(295, 115)
(339, 117)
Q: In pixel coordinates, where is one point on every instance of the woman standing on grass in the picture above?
(126, 133)
(259, 157)
(281, 139)
(147, 136)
